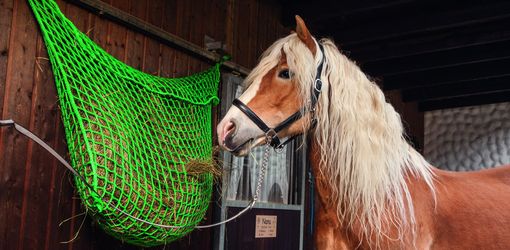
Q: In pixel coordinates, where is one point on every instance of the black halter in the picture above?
(272, 133)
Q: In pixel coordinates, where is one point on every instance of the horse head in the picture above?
(272, 107)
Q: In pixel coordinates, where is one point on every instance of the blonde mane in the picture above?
(365, 157)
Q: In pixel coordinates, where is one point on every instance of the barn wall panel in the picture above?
(15, 171)
(5, 25)
(135, 41)
(38, 206)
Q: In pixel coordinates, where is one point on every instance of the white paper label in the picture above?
(265, 226)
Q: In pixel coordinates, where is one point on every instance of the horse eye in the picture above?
(284, 74)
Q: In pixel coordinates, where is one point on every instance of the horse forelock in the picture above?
(365, 157)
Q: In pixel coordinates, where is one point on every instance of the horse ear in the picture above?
(304, 34)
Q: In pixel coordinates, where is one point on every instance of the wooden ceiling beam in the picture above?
(439, 58)
(417, 22)
(472, 100)
(429, 43)
(458, 89)
(447, 75)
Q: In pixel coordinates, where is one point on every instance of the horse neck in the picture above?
(324, 193)
(329, 230)
(328, 226)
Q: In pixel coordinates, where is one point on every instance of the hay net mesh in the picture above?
(131, 135)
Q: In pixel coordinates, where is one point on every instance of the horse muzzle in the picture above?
(236, 139)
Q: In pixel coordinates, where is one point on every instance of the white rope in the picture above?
(38, 140)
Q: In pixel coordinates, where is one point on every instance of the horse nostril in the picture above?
(229, 129)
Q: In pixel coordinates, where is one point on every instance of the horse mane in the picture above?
(365, 157)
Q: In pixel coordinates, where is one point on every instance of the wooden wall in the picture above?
(36, 192)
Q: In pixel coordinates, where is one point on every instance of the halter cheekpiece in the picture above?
(272, 133)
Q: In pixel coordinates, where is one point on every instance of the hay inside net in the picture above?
(141, 141)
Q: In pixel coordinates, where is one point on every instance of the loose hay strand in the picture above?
(198, 167)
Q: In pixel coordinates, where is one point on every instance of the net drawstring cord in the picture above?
(33, 137)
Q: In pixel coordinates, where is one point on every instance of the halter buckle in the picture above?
(270, 134)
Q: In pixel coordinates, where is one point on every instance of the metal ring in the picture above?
(319, 89)
(270, 134)
(279, 149)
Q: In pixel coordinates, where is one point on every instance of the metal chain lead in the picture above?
(262, 171)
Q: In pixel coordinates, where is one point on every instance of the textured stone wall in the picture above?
(468, 138)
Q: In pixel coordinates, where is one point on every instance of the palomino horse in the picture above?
(374, 189)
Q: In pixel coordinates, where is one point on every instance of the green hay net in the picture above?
(133, 136)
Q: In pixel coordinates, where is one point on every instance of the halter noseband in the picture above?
(272, 133)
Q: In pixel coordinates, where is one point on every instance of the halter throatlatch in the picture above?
(272, 133)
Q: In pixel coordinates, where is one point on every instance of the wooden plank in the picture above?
(210, 13)
(215, 20)
(186, 33)
(14, 148)
(43, 117)
(167, 53)
(242, 43)
(116, 43)
(151, 61)
(6, 19)
(270, 24)
(252, 33)
(45, 76)
(230, 29)
(156, 32)
(235, 26)
(135, 40)
(182, 27)
(60, 195)
(196, 34)
(262, 30)
(204, 19)
(199, 37)
(99, 28)
(273, 17)
(180, 57)
(5, 26)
